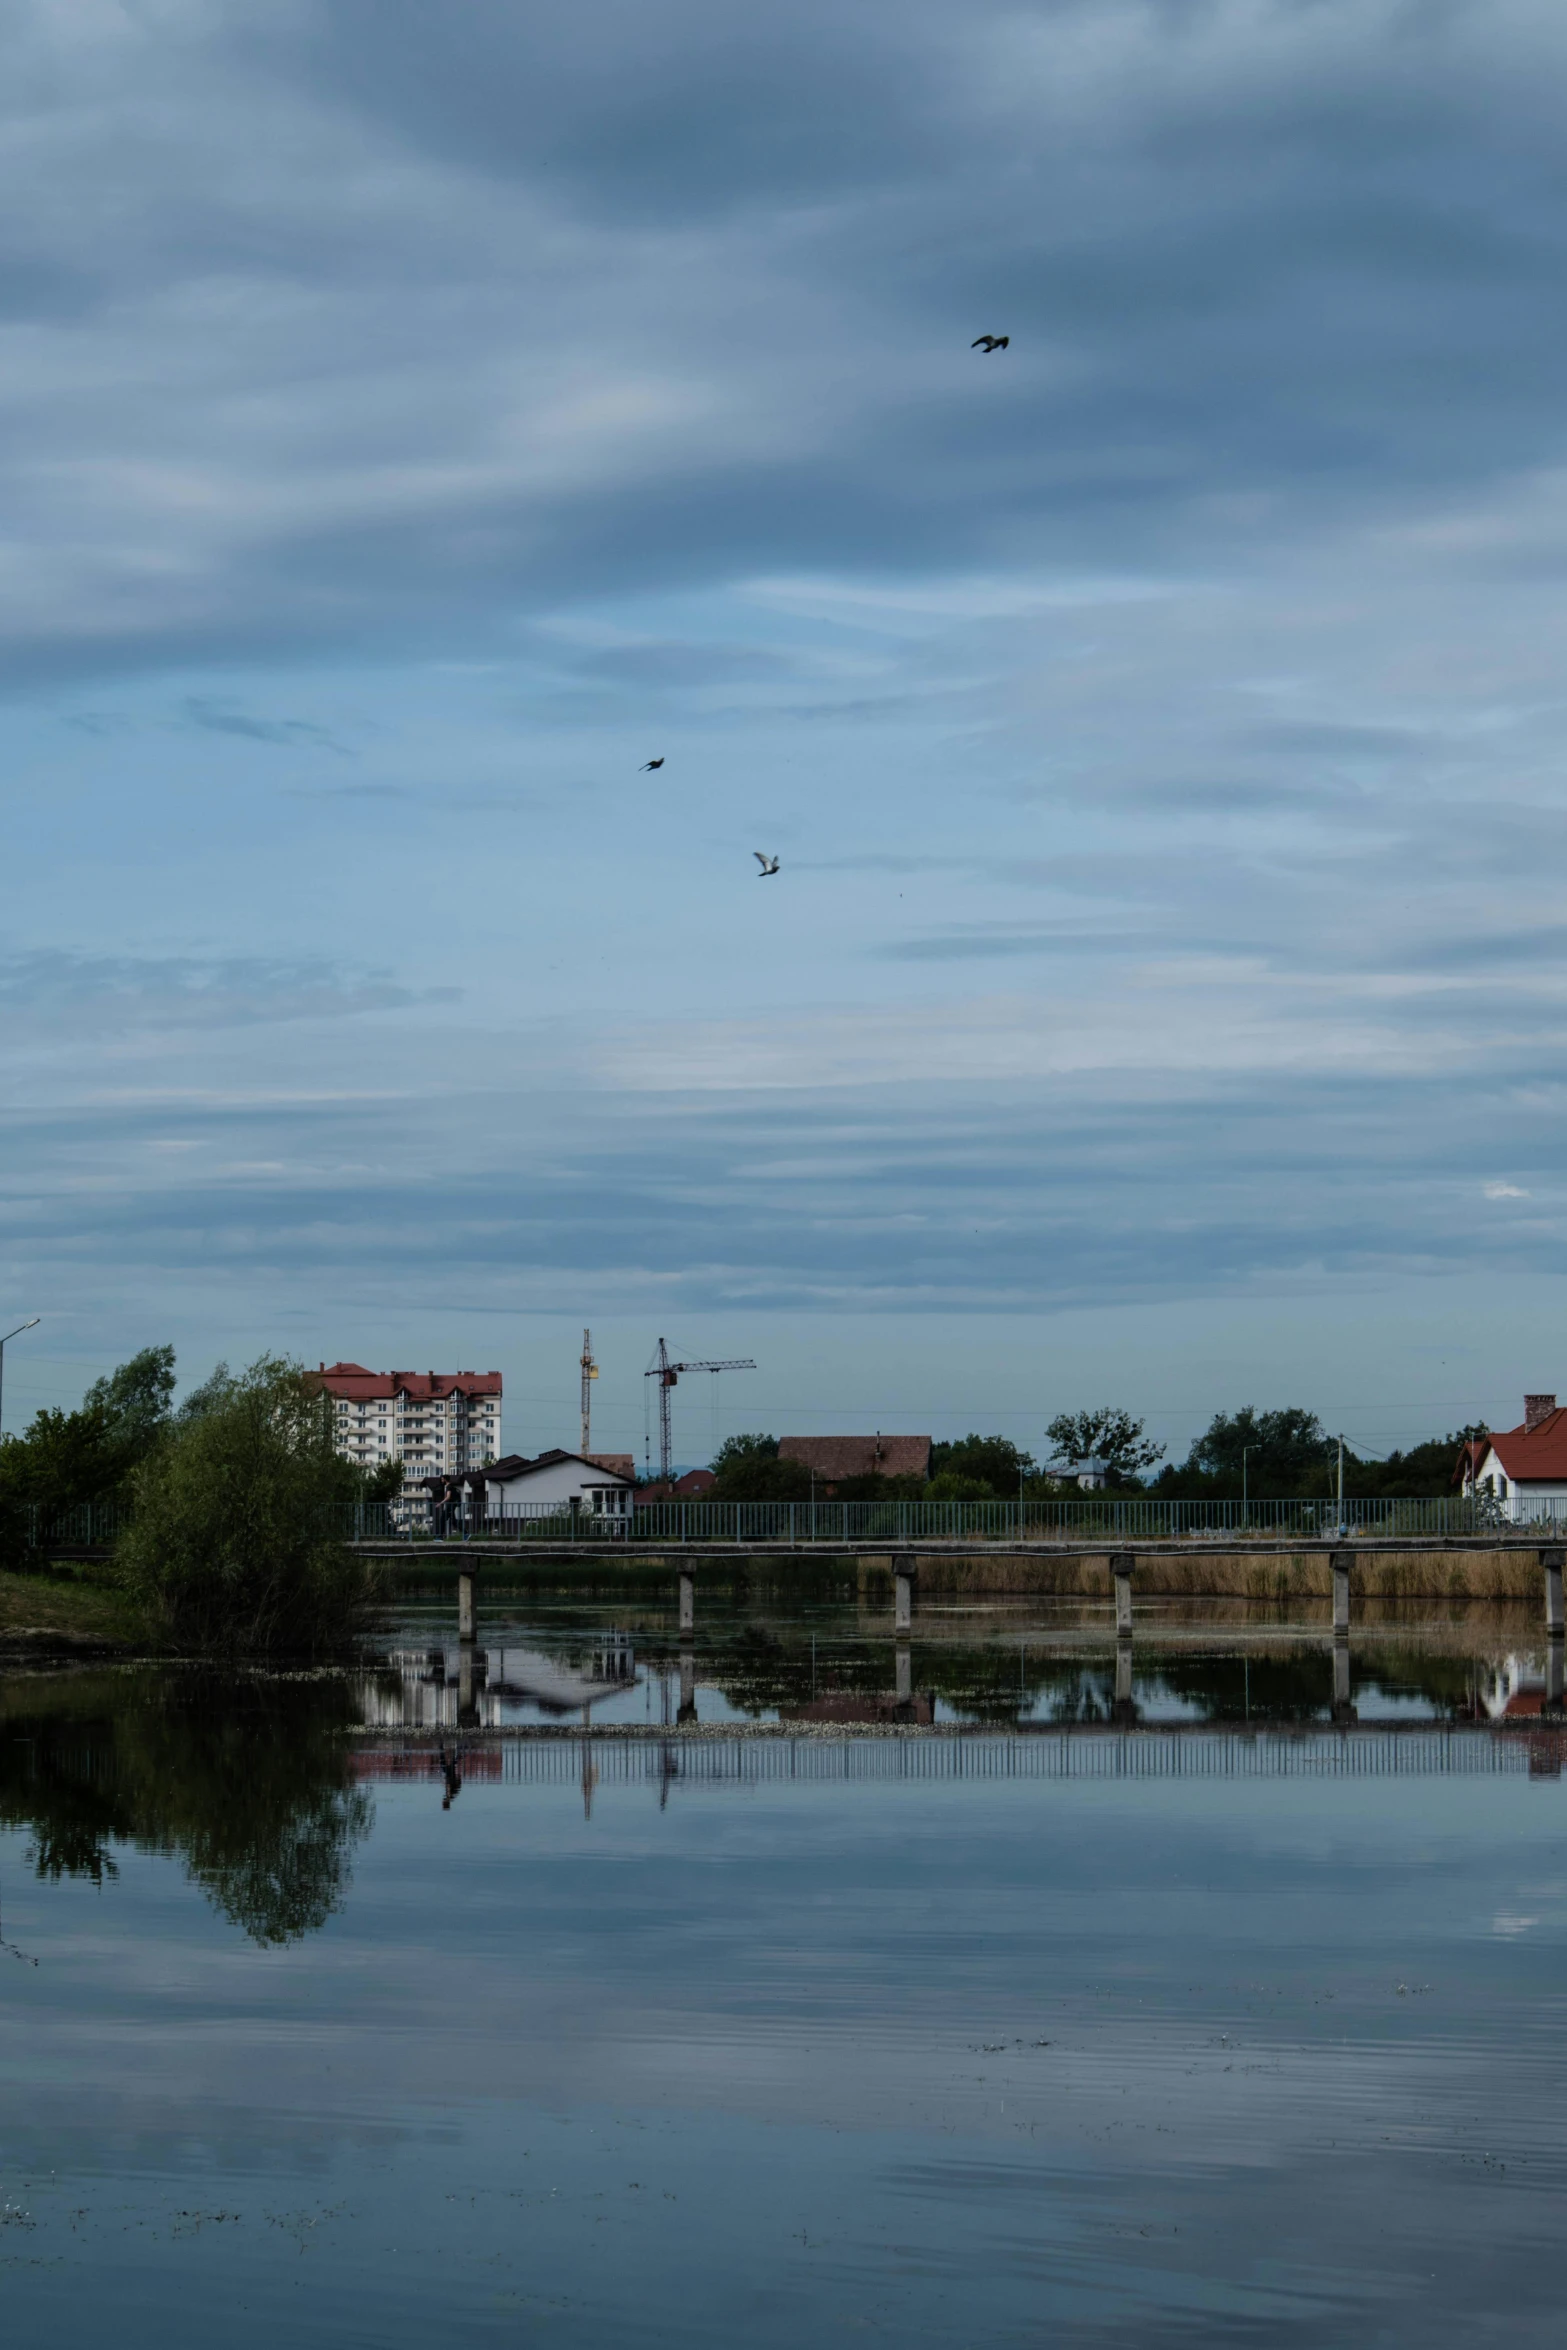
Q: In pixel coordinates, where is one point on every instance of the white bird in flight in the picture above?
(768, 864)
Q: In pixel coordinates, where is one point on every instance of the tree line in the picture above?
(1282, 1455)
(238, 1501)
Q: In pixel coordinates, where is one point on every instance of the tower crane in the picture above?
(667, 1373)
(590, 1372)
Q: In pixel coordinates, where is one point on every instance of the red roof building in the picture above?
(1525, 1467)
(432, 1421)
(833, 1458)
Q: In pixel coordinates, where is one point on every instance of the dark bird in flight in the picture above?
(768, 864)
(648, 765)
(989, 343)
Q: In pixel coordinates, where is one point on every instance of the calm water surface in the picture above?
(374, 2008)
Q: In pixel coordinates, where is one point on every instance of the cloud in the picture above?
(1194, 667)
(291, 733)
(55, 990)
(1505, 1191)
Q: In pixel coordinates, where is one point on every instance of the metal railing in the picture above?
(1109, 1517)
(848, 1524)
(75, 1525)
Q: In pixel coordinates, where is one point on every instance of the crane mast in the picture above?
(667, 1373)
(590, 1372)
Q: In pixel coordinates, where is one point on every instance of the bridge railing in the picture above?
(1111, 1517)
(1108, 1516)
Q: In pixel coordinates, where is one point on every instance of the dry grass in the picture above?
(1449, 1576)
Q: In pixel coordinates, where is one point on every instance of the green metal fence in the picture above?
(76, 1525)
(1107, 1516)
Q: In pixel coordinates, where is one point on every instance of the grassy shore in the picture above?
(65, 1612)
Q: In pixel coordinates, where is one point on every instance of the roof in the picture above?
(361, 1386)
(1534, 1455)
(513, 1465)
(690, 1487)
(833, 1457)
(619, 1464)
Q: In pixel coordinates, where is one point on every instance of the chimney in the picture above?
(1535, 1409)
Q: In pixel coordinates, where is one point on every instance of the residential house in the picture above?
(1524, 1469)
(832, 1459)
(599, 1484)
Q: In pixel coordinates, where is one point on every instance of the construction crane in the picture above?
(667, 1373)
(590, 1372)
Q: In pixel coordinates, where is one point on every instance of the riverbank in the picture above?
(66, 1615)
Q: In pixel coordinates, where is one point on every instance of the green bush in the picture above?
(238, 1543)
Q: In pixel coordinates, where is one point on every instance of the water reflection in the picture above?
(247, 1781)
(849, 1668)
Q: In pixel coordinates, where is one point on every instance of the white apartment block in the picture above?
(437, 1423)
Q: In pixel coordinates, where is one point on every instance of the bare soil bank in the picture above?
(1275, 1576)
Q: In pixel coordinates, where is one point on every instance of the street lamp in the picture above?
(1246, 1450)
(4, 1343)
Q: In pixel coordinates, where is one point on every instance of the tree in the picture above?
(1428, 1468)
(747, 1468)
(1285, 1450)
(1109, 1435)
(134, 1401)
(989, 1467)
(87, 1454)
(238, 1542)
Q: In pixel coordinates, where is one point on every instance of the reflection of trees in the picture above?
(245, 1782)
(760, 1667)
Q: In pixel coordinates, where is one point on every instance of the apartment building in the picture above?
(434, 1422)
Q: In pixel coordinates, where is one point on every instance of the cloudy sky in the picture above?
(414, 418)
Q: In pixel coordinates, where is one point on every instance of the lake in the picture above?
(780, 1988)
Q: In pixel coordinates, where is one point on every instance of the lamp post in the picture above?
(4, 1343)
(1246, 1451)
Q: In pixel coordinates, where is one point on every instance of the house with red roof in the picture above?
(1523, 1468)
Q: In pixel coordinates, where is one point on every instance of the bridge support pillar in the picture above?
(904, 1578)
(687, 1600)
(687, 1710)
(1551, 1561)
(1121, 1565)
(473, 1670)
(903, 1673)
(467, 1603)
(1343, 1711)
(1341, 1562)
(1124, 1709)
(1553, 1674)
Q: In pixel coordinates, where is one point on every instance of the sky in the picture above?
(412, 420)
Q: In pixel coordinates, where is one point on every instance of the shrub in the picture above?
(238, 1543)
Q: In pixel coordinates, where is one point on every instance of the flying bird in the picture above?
(768, 864)
(648, 765)
(989, 343)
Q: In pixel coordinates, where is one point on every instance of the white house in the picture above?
(1524, 1469)
(600, 1484)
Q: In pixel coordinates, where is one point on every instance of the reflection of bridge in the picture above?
(653, 1759)
(429, 1694)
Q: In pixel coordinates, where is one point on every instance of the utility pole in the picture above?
(1341, 1526)
(590, 1372)
(1246, 1451)
(4, 1343)
(667, 1373)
